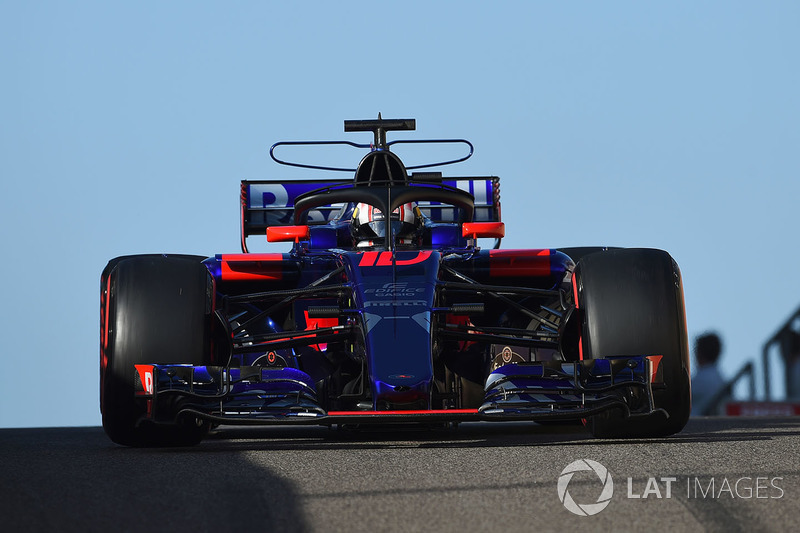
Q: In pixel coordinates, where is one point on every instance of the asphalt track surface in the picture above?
(480, 477)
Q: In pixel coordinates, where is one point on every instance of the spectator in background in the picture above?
(707, 381)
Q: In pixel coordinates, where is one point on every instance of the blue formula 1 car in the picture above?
(386, 311)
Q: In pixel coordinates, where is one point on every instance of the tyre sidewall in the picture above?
(159, 310)
(631, 302)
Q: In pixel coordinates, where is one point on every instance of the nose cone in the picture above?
(402, 393)
(395, 293)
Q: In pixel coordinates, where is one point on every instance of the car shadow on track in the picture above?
(75, 479)
(482, 435)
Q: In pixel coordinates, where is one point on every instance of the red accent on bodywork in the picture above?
(382, 259)
(266, 344)
(286, 233)
(656, 360)
(577, 306)
(460, 320)
(575, 290)
(519, 263)
(496, 230)
(386, 259)
(316, 323)
(584, 421)
(251, 267)
(419, 412)
(106, 296)
(368, 259)
(146, 378)
(104, 304)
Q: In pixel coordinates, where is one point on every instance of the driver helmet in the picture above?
(369, 224)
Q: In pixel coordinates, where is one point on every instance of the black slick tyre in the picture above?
(631, 303)
(155, 309)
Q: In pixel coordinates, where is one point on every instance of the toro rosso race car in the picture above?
(385, 310)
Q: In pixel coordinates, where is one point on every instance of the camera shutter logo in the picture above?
(585, 509)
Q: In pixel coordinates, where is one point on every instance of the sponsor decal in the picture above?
(395, 290)
(506, 356)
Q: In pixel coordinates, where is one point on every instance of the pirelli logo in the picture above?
(398, 303)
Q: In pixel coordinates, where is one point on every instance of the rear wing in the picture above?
(271, 203)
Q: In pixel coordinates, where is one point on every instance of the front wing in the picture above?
(535, 391)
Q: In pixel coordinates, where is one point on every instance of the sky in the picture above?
(126, 127)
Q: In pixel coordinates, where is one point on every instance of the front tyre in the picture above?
(155, 310)
(631, 303)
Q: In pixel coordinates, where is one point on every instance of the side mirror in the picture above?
(496, 230)
(287, 233)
